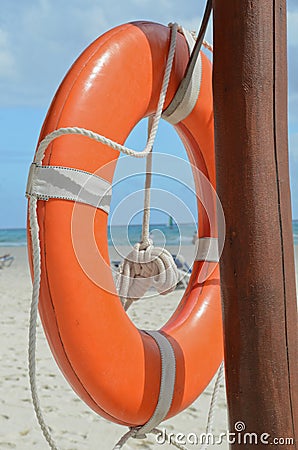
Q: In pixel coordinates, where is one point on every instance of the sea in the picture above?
(161, 234)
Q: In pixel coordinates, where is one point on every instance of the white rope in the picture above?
(205, 43)
(142, 269)
(171, 438)
(208, 46)
(104, 140)
(162, 261)
(146, 266)
(145, 241)
(33, 321)
(122, 441)
(34, 228)
(159, 261)
(185, 99)
(213, 403)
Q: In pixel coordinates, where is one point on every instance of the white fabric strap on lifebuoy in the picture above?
(34, 228)
(167, 384)
(45, 182)
(207, 249)
(184, 101)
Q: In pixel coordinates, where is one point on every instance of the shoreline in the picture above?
(187, 251)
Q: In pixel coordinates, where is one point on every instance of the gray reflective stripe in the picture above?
(45, 182)
(167, 383)
(207, 249)
(181, 107)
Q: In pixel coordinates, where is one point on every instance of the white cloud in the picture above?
(7, 62)
(40, 39)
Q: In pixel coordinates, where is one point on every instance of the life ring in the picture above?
(113, 366)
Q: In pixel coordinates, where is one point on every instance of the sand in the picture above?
(74, 426)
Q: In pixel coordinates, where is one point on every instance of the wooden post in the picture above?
(257, 265)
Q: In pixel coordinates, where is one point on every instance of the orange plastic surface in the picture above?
(114, 367)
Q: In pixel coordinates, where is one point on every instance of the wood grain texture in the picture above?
(257, 265)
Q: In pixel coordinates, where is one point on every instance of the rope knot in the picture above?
(143, 268)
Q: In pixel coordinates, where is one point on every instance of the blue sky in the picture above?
(40, 39)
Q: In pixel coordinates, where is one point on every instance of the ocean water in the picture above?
(125, 235)
(160, 234)
(119, 235)
(13, 237)
(295, 231)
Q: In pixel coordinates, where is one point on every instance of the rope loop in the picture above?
(170, 438)
(109, 142)
(145, 263)
(143, 268)
(34, 228)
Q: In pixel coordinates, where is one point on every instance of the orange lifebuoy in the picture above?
(114, 367)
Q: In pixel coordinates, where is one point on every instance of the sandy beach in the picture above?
(74, 426)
